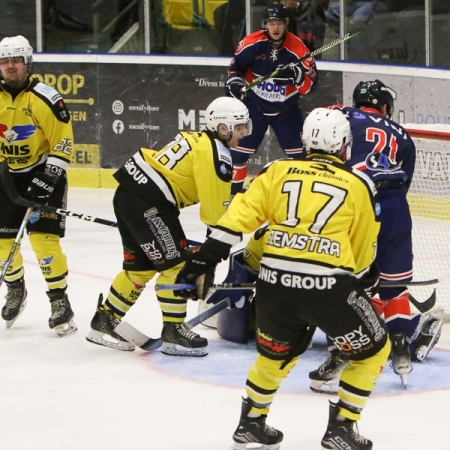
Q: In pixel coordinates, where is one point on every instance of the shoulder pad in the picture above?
(52, 98)
(223, 162)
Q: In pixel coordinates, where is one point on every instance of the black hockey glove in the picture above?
(371, 281)
(200, 267)
(234, 87)
(290, 74)
(43, 184)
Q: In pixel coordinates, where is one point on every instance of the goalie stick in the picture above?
(320, 50)
(424, 306)
(146, 343)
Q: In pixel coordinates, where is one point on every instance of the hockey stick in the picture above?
(8, 186)
(146, 343)
(15, 244)
(415, 283)
(220, 286)
(14, 196)
(320, 50)
(424, 306)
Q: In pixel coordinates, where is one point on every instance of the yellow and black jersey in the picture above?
(194, 168)
(322, 216)
(34, 126)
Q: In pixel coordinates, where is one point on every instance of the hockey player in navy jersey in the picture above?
(385, 152)
(273, 102)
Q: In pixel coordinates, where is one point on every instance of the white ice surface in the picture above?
(65, 393)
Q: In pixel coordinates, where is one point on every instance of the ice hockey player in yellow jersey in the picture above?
(36, 140)
(153, 186)
(317, 270)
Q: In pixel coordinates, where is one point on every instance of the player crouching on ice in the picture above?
(316, 271)
(154, 185)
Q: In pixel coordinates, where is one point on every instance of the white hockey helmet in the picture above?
(11, 47)
(327, 131)
(228, 111)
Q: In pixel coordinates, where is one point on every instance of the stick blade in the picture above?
(426, 305)
(137, 338)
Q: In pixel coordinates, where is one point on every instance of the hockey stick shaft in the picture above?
(144, 342)
(15, 244)
(10, 189)
(424, 306)
(231, 286)
(320, 50)
(182, 286)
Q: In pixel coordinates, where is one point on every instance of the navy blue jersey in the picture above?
(255, 57)
(382, 149)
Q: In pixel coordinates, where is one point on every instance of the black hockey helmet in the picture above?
(275, 11)
(374, 94)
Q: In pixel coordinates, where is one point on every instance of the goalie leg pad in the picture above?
(232, 323)
(427, 334)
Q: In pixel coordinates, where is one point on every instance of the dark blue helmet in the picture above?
(275, 11)
(374, 94)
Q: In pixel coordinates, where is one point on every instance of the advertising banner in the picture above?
(118, 108)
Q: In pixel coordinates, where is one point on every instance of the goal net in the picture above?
(429, 201)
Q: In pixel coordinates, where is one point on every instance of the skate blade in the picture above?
(254, 446)
(9, 323)
(404, 380)
(65, 328)
(329, 387)
(177, 350)
(96, 337)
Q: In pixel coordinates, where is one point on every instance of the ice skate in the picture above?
(341, 435)
(61, 319)
(325, 379)
(102, 330)
(427, 334)
(179, 340)
(16, 300)
(252, 431)
(400, 356)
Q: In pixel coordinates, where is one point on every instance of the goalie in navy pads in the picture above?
(36, 139)
(273, 102)
(154, 185)
(384, 151)
(317, 270)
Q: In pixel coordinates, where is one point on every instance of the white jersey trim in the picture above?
(225, 237)
(58, 162)
(48, 92)
(301, 267)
